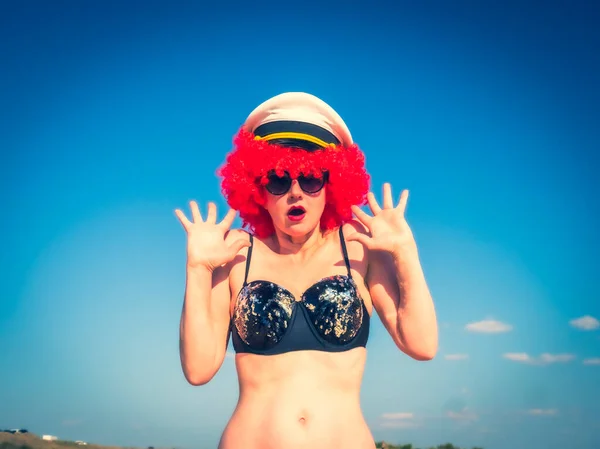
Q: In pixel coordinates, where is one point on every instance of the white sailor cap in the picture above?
(300, 120)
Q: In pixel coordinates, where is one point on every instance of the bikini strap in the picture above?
(248, 257)
(345, 251)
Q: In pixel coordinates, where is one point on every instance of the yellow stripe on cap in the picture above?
(298, 136)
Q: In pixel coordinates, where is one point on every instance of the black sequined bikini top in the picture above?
(329, 316)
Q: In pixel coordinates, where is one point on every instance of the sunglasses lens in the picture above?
(278, 185)
(310, 184)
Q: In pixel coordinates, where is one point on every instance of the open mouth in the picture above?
(296, 212)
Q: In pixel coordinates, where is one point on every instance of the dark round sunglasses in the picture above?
(278, 185)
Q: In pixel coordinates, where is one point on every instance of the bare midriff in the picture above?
(299, 400)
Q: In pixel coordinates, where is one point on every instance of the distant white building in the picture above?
(49, 437)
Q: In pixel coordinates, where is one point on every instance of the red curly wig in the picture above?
(245, 170)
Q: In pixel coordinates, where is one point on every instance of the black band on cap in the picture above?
(296, 134)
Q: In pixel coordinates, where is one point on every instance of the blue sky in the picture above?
(115, 114)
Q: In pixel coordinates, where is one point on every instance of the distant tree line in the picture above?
(379, 445)
(384, 445)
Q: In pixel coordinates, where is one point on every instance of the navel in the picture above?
(303, 418)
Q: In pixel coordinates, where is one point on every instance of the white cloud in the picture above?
(543, 412)
(456, 356)
(543, 359)
(556, 358)
(586, 323)
(398, 415)
(488, 327)
(517, 357)
(399, 420)
(592, 361)
(230, 355)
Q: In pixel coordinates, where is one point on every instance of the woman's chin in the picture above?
(298, 228)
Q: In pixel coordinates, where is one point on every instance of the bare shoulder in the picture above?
(354, 226)
(356, 250)
(235, 234)
(235, 267)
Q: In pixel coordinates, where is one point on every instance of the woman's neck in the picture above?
(303, 246)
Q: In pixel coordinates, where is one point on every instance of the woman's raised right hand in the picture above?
(206, 245)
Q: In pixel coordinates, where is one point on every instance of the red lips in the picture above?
(296, 213)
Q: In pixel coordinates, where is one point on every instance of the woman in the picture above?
(297, 291)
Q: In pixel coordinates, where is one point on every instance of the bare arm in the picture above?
(395, 277)
(204, 325)
(403, 302)
(417, 322)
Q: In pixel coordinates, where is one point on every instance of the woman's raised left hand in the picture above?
(388, 228)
